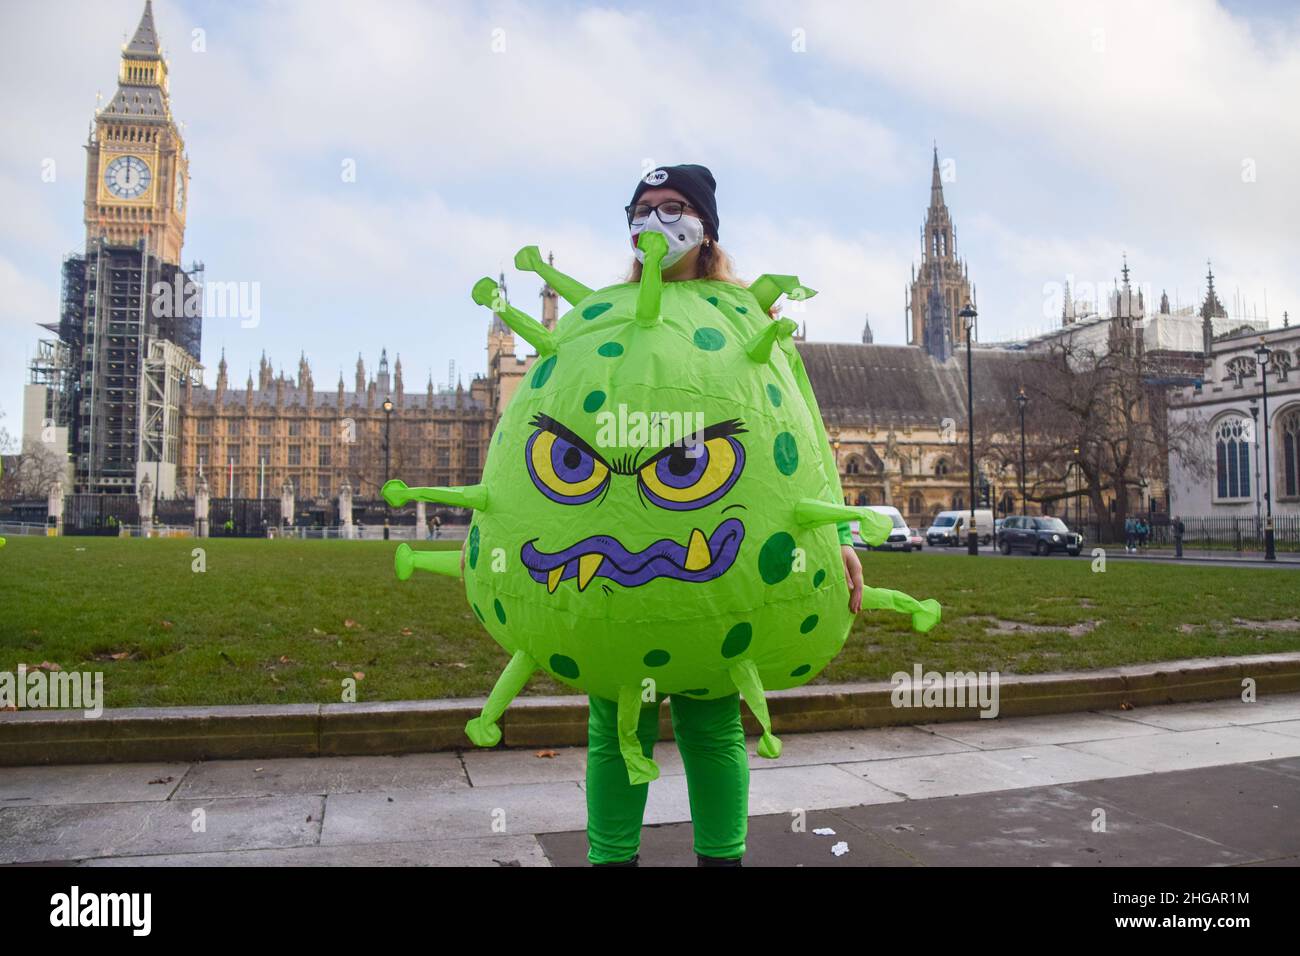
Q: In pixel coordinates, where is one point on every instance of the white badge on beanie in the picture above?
(683, 236)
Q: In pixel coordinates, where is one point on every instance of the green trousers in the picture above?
(711, 740)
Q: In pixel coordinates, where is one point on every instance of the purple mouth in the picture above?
(602, 555)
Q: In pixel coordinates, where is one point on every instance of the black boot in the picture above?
(631, 862)
(716, 861)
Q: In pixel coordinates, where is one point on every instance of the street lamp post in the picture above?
(1022, 401)
(1265, 353)
(1254, 440)
(968, 315)
(1078, 505)
(388, 418)
(835, 448)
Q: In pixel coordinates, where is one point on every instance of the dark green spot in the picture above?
(593, 401)
(501, 612)
(741, 309)
(818, 578)
(610, 350)
(808, 624)
(543, 372)
(786, 453)
(737, 639)
(774, 396)
(599, 308)
(657, 658)
(479, 613)
(711, 299)
(696, 692)
(473, 547)
(564, 666)
(801, 670)
(776, 557)
(710, 340)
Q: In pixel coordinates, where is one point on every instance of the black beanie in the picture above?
(692, 181)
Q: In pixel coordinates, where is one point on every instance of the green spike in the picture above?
(744, 674)
(873, 526)
(768, 288)
(655, 247)
(925, 614)
(396, 493)
(759, 348)
(529, 258)
(407, 560)
(487, 293)
(640, 768)
(483, 730)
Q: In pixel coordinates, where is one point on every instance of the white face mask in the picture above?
(683, 236)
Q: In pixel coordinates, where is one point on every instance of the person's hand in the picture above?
(852, 577)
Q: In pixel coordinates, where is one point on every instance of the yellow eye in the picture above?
(691, 476)
(564, 471)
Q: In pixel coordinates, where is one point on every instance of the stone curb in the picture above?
(304, 730)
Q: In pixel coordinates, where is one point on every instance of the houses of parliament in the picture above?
(120, 386)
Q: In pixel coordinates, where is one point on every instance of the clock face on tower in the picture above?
(180, 191)
(127, 177)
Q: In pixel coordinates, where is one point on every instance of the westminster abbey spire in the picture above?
(940, 288)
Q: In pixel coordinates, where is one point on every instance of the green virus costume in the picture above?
(659, 515)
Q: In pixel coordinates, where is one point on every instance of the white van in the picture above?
(949, 527)
(899, 536)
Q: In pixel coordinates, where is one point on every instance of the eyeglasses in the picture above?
(668, 212)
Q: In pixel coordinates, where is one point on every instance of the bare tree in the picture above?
(32, 471)
(1108, 405)
(39, 467)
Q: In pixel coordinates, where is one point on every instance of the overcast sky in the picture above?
(1070, 133)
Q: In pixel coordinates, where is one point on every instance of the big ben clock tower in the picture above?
(130, 323)
(136, 168)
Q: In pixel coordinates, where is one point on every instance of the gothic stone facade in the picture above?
(896, 417)
(287, 430)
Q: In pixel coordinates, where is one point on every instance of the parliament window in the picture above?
(1232, 459)
(1290, 428)
(295, 455)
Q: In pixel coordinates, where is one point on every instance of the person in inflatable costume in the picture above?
(704, 562)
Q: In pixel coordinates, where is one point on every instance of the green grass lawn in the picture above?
(286, 621)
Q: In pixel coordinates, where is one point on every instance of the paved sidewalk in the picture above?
(1186, 784)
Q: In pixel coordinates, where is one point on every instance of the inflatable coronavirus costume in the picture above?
(659, 504)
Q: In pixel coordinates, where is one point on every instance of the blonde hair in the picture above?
(712, 263)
